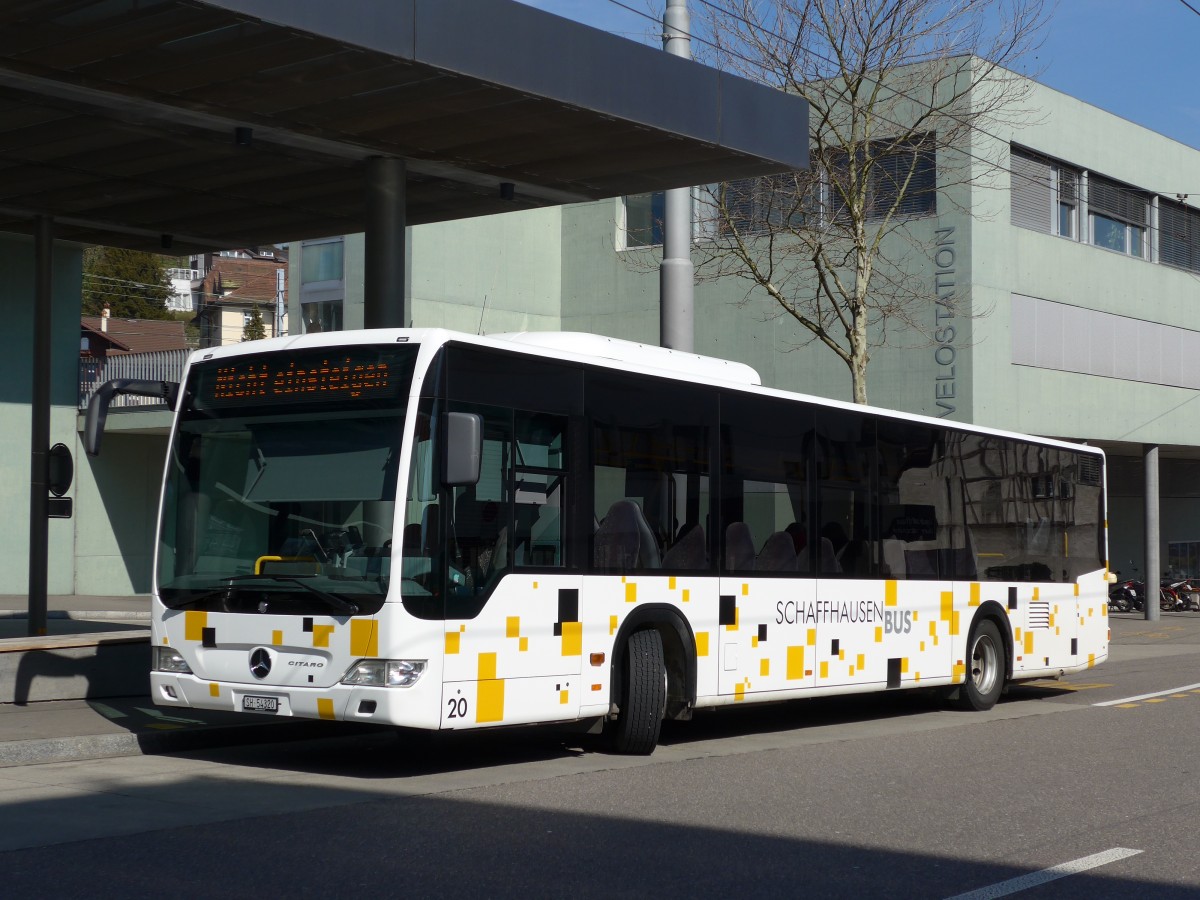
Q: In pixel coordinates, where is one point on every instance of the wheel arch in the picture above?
(679, 655)
(992, 610)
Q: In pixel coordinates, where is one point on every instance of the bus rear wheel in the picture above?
(643, 695)
(985, 668)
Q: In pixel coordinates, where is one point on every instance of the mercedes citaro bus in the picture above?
(443, 531)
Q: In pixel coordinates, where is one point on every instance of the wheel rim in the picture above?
(985, 664)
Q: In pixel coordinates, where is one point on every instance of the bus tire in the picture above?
(643, 695)
(985, 668)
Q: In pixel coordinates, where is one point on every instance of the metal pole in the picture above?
(1153, 565)
(39, 437)
(677, 328)
(386, 305)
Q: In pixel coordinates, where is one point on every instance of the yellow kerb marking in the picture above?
(324, 707)
(702, 643)
(364, 637)
(194, 623)
(214, 690)
(276, 638)
(764, 667)
(512, 626)
(631, 592)
(889, 593)
(321, 635)
(1157, 700)
(452, 642)
(975, 591)
(795, 663)
(1126, 706)
(612, 625)
(572, 639)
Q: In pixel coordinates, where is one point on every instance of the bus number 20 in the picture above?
(457, 707)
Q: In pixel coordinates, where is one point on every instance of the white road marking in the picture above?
(1190, 687)
(1033, 879)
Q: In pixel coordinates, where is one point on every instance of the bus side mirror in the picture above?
(97, 411)
(462, 449)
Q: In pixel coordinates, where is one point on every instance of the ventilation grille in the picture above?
(1039, 614)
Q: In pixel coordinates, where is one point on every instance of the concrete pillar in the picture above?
(1153, 563)
(384, 302)
(39, 436)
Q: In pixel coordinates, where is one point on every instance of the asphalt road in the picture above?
(1085, 788)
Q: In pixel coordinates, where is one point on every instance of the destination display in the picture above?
(332, 374)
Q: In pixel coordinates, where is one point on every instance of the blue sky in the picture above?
(1135, 58)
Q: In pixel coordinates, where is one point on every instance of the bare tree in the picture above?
(896, 90)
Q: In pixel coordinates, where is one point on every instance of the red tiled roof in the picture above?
(141, 335)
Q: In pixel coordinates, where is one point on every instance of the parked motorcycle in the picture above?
(1188, 592)
(1124, 597)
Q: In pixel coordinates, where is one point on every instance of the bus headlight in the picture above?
(385, 672)
(168, 659)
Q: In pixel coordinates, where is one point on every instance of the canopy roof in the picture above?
(182, 125)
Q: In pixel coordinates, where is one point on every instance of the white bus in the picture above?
(442, 531)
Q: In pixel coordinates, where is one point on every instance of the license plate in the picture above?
(260, 704)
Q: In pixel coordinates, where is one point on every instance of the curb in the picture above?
(105, 746)
(81, 616)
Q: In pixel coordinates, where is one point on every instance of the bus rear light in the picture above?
(385, 672)
(168, 659)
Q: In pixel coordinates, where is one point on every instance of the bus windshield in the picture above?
(281, 484)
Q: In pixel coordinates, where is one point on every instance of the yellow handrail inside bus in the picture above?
(258, 563)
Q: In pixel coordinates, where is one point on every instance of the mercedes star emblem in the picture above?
(260, 663)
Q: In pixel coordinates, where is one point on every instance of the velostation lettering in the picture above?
(944, 352)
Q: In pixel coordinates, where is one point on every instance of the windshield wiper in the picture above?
(332, 599)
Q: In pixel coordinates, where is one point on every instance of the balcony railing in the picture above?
(157, 365)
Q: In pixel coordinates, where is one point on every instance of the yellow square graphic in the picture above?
(795, 663)
(364, 637)
(452, 642)
(512, 626)
(489, 705)
(321, 634)
(487, 666)
(194, 623)
(214, 690)
(631, 592)
(276, 638)
(701, 643)
(764, 667)
(572, 638)
(889, 593)
(325, 708)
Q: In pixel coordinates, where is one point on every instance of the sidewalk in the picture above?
(55, 730)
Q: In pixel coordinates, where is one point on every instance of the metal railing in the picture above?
(156, 365)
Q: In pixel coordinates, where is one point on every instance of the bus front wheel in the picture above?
(985, 668)
(643, 695)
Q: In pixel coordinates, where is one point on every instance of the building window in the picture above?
(1178, 235)
(1045, 194)
(321, 261)
(908, 168)
(760, 205)
(321, 317)
(1117, 216)
(644, 215)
